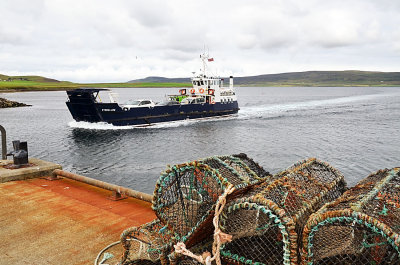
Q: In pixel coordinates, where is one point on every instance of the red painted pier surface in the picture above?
(62, 221)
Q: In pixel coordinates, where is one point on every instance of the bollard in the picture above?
(20, 153)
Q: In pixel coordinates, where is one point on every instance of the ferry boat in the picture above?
(206, 98)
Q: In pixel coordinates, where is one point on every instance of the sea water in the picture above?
(355, 129)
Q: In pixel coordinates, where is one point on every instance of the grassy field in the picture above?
(39, 85)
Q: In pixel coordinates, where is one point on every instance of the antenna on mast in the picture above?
(205, 57)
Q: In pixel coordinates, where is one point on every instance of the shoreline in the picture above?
(5, 103)
(166, 85)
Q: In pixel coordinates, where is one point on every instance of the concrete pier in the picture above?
(37, 168)
(60, 221)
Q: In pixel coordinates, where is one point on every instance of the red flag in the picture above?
(211, 59)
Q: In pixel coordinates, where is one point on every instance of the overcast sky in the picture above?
(111, 41)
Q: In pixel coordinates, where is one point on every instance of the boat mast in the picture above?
(204, 57)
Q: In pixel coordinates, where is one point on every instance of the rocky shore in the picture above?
(5, 103)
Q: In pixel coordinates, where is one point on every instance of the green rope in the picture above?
(378, 187)
(384, 210)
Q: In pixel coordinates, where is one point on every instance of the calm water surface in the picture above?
(356, 130)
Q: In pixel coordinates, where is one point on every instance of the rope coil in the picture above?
(219, 237)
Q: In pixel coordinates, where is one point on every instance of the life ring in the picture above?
(211, 91)
(201, 90)
(192, 90)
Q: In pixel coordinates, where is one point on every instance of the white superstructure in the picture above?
(211, 87)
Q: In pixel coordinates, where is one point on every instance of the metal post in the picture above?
(3, 143)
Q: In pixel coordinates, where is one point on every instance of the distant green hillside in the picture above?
(29, 83)
(310, 78)
(323, 78)
(159, 79)
(39, 83)
(33, 78)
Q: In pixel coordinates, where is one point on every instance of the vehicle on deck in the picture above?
(139, 103)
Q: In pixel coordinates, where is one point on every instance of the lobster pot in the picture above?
(148, 244)
(254, 166)
(238, 170)
(360, 227)
(266, 227)
(185, 194)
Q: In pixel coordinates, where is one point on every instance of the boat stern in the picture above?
(82, 105)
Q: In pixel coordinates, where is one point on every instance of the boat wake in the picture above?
(96, 126)
(171, 124)
(279, 110)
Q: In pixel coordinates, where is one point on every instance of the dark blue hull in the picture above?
(84, 108)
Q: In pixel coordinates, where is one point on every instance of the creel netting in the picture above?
(184, 198)
(185, 194)
(360, 227)
(267, 226)
(146, 244)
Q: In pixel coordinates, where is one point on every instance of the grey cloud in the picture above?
(17, 18)
(90, 40)
(151, 13)
(10, 37)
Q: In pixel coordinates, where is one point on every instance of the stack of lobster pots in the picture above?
(304, 214)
